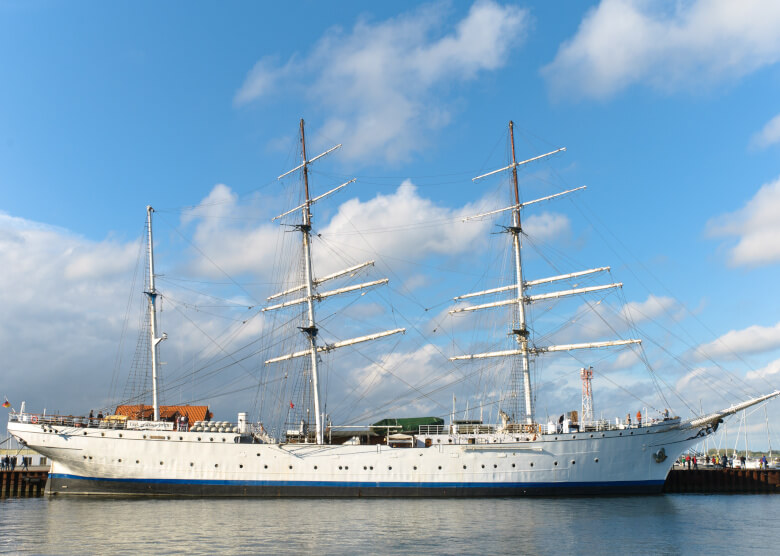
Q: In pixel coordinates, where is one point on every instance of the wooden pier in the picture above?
(723, 481)
(22, 483)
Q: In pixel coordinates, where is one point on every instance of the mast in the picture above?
(310, 284)
(521, 332)
(311, 327)
(520, 300)
(152, 296)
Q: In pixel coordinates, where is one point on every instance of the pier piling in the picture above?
(720, 481)
(22, 483)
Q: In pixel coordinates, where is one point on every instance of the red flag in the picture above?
(292, 406)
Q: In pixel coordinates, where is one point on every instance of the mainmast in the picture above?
(152, 296)
(520, 331)
(311, 328)
(310, 284)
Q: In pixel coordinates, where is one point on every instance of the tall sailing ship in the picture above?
(518, 456)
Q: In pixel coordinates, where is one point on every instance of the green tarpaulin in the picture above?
(408, 425)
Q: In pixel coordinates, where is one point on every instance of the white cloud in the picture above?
(384, 83)
(771, 370)
(402, 225)
(753, 339)
(756, 227)
(232, 246)
(654, 306)
(769, 134)
(667, 45)
(63, 299)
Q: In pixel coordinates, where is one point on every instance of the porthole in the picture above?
(556, 438)
(603, 435)
(596, 460)
(495, 466)
(290, 466)
(517, 439)
(632, 432)
(339, 467)
(192, 464)
(573, 462)
(181, 438)
(438, 440)
(144, 435)
(365, 468)
(266, 467)
(137, 461)
(555, 463)
(449, 440)
(464, 467)
(591, 436)
(315, 467)
(199, 441)
(161, 463)
(415, 468)
(346, 467)
(371, 467)
(120, 460)
(240, 466)
(532, 464)
(85, 457)
(223, 439)
(620, 434)
(167, 438)
(258, 455)
(211, 439)
(90, 457)
(85, 434)
(513, 465)
(574, 437)
(483, 466)
(120, 435)
(440, 468)
(389, 467)
(216, 465)
(102, 434)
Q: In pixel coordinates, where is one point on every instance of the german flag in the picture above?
(6, 403)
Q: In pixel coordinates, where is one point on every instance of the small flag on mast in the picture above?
(292, 405)
(6, 403)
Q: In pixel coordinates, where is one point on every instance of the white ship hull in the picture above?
(170, 463)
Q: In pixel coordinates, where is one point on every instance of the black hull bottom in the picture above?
(71, 486)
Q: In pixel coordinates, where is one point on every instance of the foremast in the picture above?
(310, 284)
(520, 330)
(152, 294)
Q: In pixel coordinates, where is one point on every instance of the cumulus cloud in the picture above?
(753, 339)
(385, 83)
(769, 371)
(666, 45)
(401, 225)
(232, 245)
(769, 134)
(653, 307)
(63, 297)
(756, 227)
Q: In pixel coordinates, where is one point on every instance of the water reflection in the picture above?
(655, 524)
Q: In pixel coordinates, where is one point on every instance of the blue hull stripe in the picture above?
(356, 484)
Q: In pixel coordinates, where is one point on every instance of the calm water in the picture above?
(671, 524)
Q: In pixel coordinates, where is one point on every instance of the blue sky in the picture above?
(668, 111)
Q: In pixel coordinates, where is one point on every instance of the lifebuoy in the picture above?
(34, 419)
